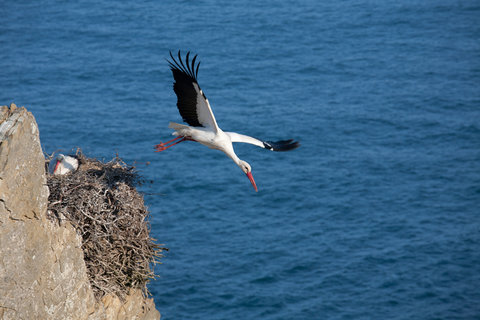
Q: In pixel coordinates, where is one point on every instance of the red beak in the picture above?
(56, 166)
(250, 177)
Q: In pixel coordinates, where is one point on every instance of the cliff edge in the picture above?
(42, 269)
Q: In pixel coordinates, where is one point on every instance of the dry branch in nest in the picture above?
(102, 203)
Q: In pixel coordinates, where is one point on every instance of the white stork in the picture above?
(196, 111)
(62, 164)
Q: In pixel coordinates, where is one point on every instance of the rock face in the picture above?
(42, 271)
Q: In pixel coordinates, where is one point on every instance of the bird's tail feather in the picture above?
(177, 126)
(180, 129)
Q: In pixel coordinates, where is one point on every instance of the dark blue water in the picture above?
(376, 216)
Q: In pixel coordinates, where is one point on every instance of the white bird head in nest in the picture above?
(62, 164)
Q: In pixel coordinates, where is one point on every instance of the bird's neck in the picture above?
(235, 159)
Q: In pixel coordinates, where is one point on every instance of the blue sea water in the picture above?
(375, 216)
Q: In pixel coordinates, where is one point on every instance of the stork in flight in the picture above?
(196, 111)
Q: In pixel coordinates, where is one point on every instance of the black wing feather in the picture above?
(282, 145)
(183, 87)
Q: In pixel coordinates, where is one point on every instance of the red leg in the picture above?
(163, 146)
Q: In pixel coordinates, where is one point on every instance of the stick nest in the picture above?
(102, 203)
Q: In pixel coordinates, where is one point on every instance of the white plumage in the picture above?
(62, 164)
(195, 110)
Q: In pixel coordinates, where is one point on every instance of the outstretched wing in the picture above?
(282, 145)
(191, 101)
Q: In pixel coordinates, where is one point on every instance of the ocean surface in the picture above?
(375, 216)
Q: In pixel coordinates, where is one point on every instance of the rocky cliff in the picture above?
(42, 271)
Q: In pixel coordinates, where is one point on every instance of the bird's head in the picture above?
(248, 171)
(59, 159)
